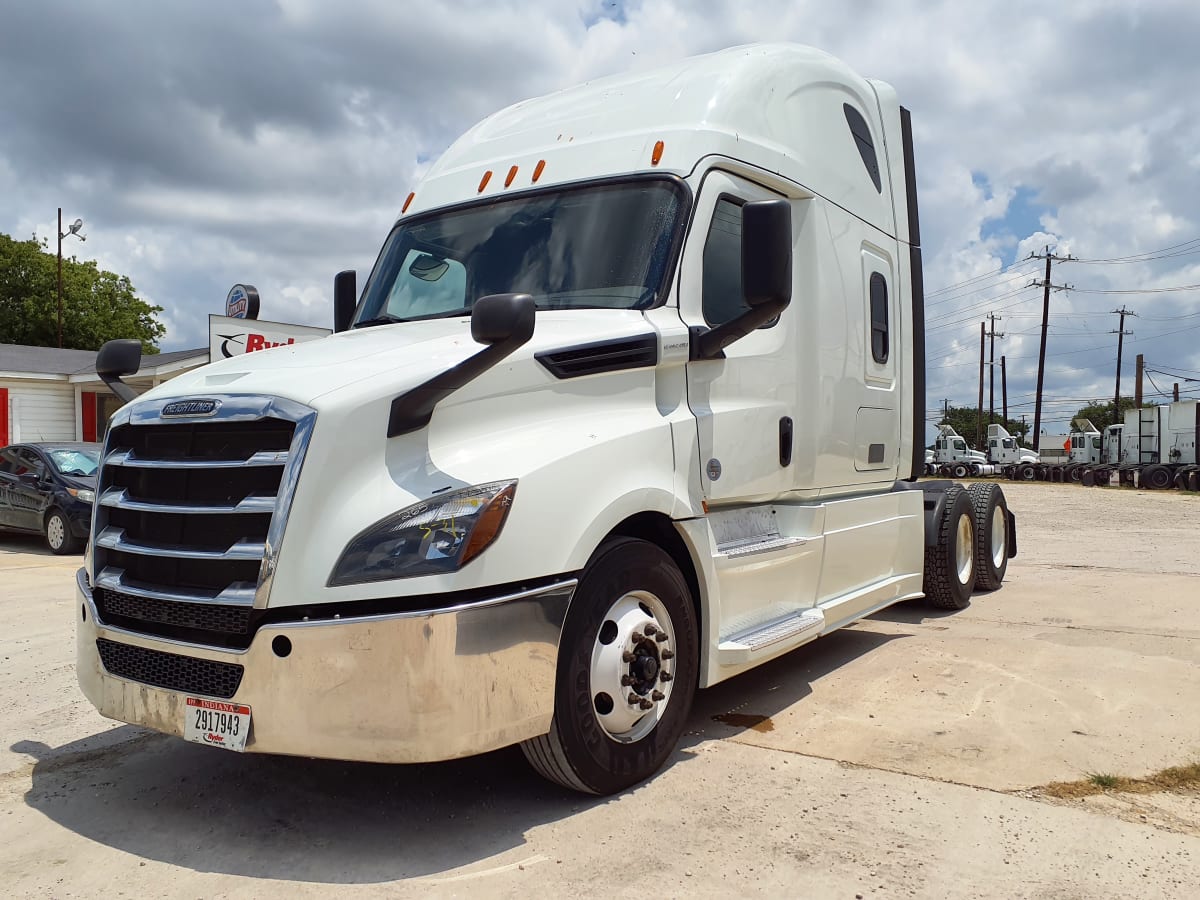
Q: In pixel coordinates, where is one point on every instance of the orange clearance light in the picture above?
(537, 170)
(512, 173)
(407, 201)
(657, 154)
(487, 176)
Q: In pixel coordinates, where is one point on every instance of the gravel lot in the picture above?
(900, 757)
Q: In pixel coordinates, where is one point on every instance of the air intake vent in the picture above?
(602, 356)
(167, 670)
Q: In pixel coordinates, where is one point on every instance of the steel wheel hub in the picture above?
(631, 672)
(999, 536)
(964, 551)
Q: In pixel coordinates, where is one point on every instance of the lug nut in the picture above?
(650, 629)
(657, 695)
(661, 636)
(634, 699)
(626, 680)
(645, 704)
(665, 676)
(628, 656)
(668, 654)
(637, 637)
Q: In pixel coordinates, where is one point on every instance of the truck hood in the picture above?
(398, 356)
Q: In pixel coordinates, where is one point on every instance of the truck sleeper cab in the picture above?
(631, 402)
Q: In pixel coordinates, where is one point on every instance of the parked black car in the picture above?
(48, 489)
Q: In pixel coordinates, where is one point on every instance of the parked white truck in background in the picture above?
(687, 444)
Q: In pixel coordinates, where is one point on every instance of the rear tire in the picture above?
(630, 595)
(57, 531)
(950, 562)
(991, 535)
(1156, 478)
(1027, 472)
(960, 470)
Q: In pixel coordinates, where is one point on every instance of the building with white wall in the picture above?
(48, 394)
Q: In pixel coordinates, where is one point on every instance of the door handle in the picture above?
(785, 441)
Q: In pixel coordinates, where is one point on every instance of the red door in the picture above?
(88, 401)
(3, 417)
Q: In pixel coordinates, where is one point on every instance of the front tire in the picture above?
(631, 634)
(950, 562)
(57, 531)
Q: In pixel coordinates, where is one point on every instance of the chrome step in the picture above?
(743, 646)
(762, 543)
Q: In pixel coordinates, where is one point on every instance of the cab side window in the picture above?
(722, 288)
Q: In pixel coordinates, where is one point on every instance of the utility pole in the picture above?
(1004, 389)
(1024, 429)
(1044, 283)
(1177, 392)
(1120, 332)
(1137, 383)
(946, 410)
(992, 317)
(979, 408)
(73, 230)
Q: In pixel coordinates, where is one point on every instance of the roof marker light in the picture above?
(512, 173)
(487, 176)
(657, 154)
(537, 170)
(407, 201)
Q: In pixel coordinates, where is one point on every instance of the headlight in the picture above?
(441, 534)
(82, 494)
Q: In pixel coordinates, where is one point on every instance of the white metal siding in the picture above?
(40, 410)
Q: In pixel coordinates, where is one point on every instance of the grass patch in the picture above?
(1175, 778)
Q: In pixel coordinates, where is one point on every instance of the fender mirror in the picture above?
(345, 299)
(117, 358)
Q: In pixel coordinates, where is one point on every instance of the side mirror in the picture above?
(766, 275)
(345, 299)
(498, 318)
(501, 321)
(117, 358)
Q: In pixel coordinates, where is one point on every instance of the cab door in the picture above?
(745, 403)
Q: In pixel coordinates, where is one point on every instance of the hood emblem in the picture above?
(195, 408)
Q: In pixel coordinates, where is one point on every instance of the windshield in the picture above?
(75, 462)
(607, 246)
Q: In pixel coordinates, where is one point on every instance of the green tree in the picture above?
(963, 420)
(1100, 412)
(98, 306)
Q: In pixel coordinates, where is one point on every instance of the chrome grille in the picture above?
(189, 514)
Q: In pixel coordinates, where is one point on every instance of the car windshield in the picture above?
(75, 462)
(607, 246)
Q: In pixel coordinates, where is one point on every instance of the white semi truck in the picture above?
(631, 402)
(951, 457)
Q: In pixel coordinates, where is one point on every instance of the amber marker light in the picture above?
(491, 520)
(657, 154)
(537, 170)
(487, 176)
(512, 173)
(408, 200)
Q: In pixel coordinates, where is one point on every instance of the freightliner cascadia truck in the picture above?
(631, 402)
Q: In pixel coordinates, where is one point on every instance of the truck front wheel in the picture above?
(627, 671)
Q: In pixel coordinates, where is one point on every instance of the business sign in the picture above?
(242, 302)
(228, 337)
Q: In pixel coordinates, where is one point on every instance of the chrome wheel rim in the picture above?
(631, 676)
(999, 536)
(964, 551)
(56, 532)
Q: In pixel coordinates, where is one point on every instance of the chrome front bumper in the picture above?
(402, 688)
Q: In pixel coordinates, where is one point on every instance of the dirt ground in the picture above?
(901, 757)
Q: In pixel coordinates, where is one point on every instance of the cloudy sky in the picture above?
(273, 143)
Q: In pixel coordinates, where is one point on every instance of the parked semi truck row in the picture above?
(632, 402)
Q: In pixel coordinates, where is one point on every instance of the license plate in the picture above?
(217, 724)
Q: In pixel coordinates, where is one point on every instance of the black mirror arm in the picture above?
(711, 343)
(118, 387)
(412, 410)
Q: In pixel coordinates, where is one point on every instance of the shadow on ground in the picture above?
(288, 818)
